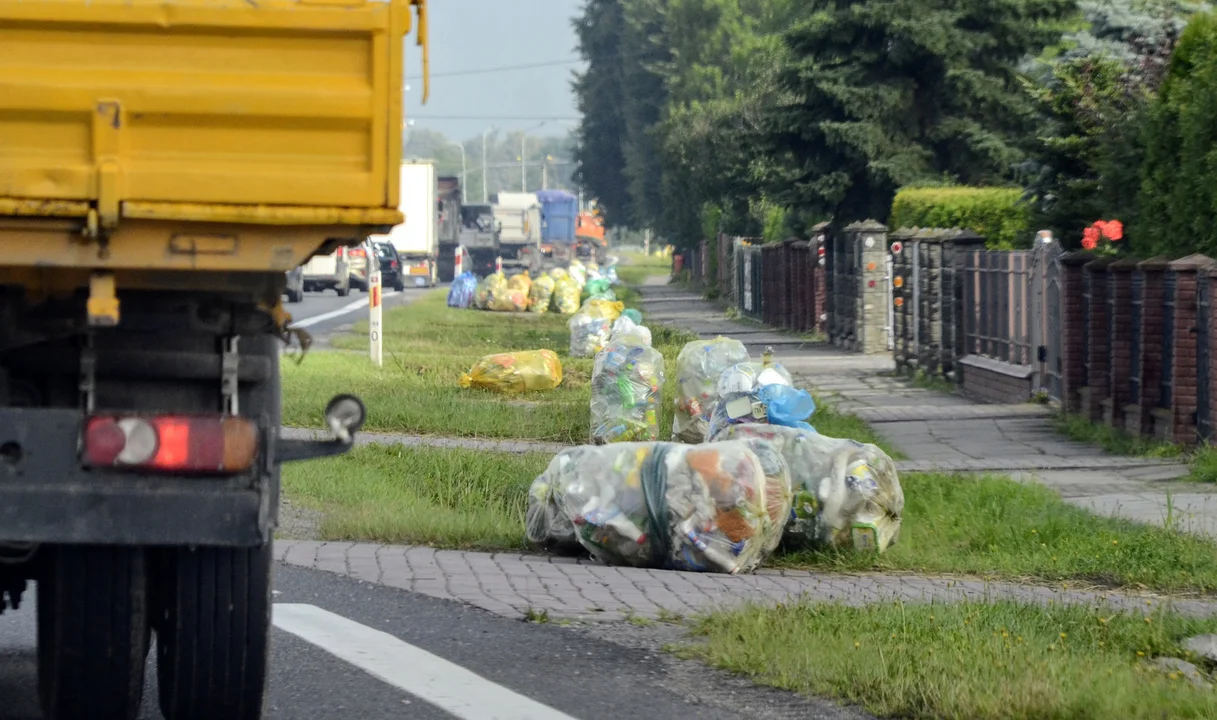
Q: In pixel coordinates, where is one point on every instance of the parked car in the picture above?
(295, 285)
(331, 271)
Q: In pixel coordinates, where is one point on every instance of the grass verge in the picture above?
(1202, 459)
(992, 526)
(973, 661)
(1000, 528)
(442, 497)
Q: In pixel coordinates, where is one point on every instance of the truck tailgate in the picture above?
(135, 106)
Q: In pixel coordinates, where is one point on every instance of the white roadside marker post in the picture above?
(457, 262)
(375, 336)
(498, 264)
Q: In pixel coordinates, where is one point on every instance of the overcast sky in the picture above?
(471, 36)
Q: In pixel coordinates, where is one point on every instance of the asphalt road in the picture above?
(322, 312)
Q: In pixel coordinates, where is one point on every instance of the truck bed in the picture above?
(270, 113)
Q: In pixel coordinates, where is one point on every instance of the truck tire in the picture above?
(92, 632)
(213, 641)
(213, 604)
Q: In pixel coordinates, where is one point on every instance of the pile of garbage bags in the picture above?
(627, 386)
(591, 327)
(699, 366)
(515, 372)
(560, 290)
(717, 507)
(540, 294)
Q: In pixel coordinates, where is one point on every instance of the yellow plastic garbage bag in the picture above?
(566, 296)
(608, 309)
(558, 273)
(486, 288)
(523, 282)
(508, 299)
(540, 294)
(515, 372)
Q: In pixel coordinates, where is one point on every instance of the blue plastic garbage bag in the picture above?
(461, 293)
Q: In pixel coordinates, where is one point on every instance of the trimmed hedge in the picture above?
(997, 213)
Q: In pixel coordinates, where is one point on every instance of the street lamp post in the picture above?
(485, 195)
(464, 169)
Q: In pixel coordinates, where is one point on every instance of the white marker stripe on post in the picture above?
(428, 677)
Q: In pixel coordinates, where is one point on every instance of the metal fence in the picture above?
(996, 305)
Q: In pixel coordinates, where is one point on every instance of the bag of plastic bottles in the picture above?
(591, 327)
(566, 296)
(627, 325)
(516, 372)
(698, 368)
(460, 295)
(627, 386)
(540, 293)
(507, 299)
(756, 393)
(718, 507)
(846, 494)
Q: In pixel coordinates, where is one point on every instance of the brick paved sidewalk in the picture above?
(514, 585)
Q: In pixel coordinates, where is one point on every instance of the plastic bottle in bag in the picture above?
(515, 372)
(627, 325)
(718, 507)
(846, 494)
(566, 296)
(756, 393)
(698, 368)
(540, 294)
(591, 327)
(627, 386)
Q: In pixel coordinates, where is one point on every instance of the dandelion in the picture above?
(1034, 532)
(1102, 621)
(1005, 634)
(857, 645)
(1148, 620)
(1063, 636)
(893, 636)
(1115, 542)
(1140, 654)
(1020, 638)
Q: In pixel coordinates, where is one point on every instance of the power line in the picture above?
(501, 68)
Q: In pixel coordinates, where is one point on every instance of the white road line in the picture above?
(344, 310)
(428, 677)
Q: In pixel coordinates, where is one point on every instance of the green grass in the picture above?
(1202, 459)
(635, 268)
(436, 496)
(968, 661)
(995, 526)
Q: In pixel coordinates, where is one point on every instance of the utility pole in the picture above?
(524, 157)
(464, 169)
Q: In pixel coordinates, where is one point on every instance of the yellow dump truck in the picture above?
(163, 163)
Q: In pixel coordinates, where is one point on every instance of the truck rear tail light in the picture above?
(211, 444)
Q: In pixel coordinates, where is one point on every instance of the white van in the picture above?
(323, 272)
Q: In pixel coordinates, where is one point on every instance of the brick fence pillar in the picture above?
(1139, 417)
(870, 242)
(1119, 303)
(1073, 330)
(1184, 374)
(1098, 350)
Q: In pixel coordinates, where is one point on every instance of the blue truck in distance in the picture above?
(558, 212)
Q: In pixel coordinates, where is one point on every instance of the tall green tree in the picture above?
(600, 96)
(892, 92)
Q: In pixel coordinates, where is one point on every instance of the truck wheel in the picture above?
(92, 632)
(213, 639)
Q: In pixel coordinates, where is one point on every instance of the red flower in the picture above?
(1090, 237)
(1113, 230)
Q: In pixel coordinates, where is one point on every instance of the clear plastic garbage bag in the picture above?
(540, 294)
(717, 507)
(591, 327)
(627, 388)
(846, 493)
(699, 366)
(755, 393)
(515, 372)
(460, 295)
(507, 299)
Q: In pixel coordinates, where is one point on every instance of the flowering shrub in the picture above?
(1102, 235)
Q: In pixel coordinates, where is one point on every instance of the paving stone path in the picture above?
(518, 586)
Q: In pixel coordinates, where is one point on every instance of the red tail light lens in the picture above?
(210, 444)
